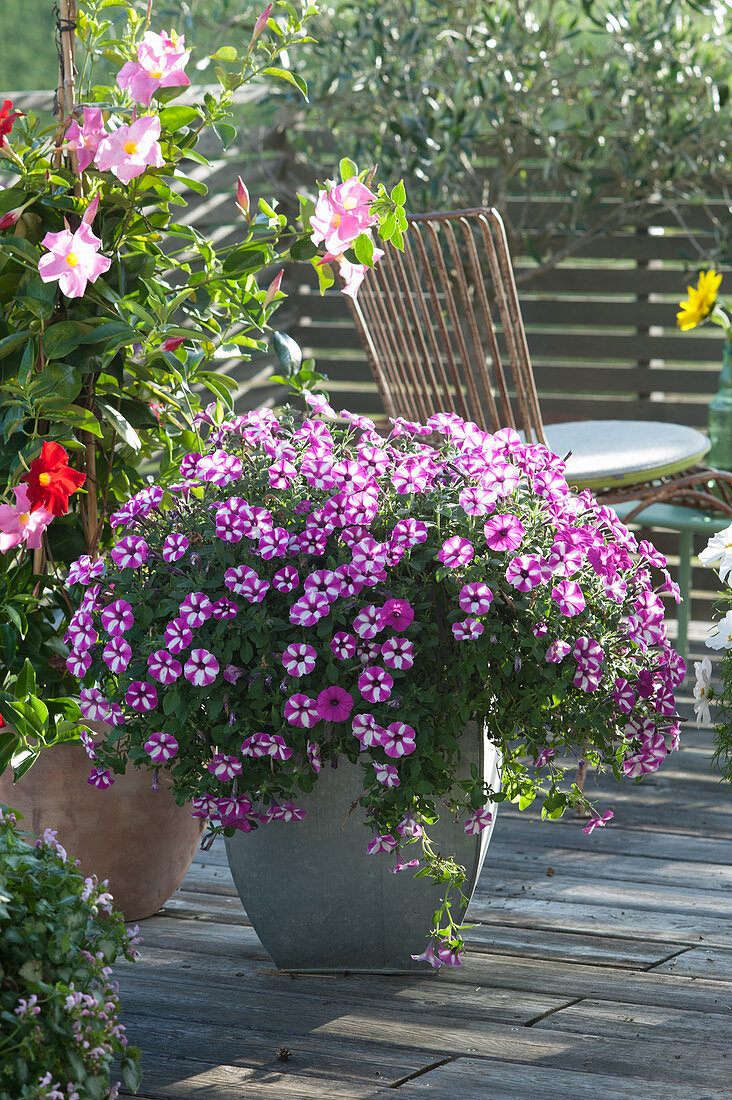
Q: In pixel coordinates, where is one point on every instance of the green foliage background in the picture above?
(28, 58)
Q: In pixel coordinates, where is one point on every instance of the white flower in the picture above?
(702, 691)
(722, 638)
(718, 552)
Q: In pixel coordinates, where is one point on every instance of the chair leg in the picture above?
(686, 548)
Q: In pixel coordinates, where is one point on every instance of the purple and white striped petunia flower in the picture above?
(161, 747)
(398, 653)
(598, 821)
(117, 618)
(299, 659)
(343, 645)
(79, 663)
(174, 547)
(367, 730)
(237, 577)
(84, 570)
(178, 636)
(456, 551)
(383, 843)
(624, 696)
(195, 609)
(569, 598)
(93, 705)
(224, 609)
(325, 581)
(386, 774)
(101, 778)
(504, 532)
(475, 598)
(313, 755)
(477, 501)
(527, 571)
(117, 654)
(468, 630)
(224, 767)
(398, 739)
(130, 552)
(201, 668)
(302, 711)
(478, 821)
(369, 622)
(375, 685)
(274, 543)
(141, 696)
(286, 579)
(163, 666)
(309, 609)
(557, 651)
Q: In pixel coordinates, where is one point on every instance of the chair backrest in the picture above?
(442, 327)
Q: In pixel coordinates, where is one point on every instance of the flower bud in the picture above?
(11, 218)
(242, 197)
(260, 24)
(273, 288)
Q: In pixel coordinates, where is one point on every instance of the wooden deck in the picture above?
(599, 966)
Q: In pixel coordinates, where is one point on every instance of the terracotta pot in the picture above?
(135, 837)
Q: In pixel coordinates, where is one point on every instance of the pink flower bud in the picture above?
(242, 197)
(260, 24)
(91, 211)
(11, 218)
(273, 288)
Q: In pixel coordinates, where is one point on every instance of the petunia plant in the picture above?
(717, 555)
(115, 312)
(310, 590)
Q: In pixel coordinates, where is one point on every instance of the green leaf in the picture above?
(291, 78)
(399, 195)
(195, 185)
(175, 118)
(243, 259)
(10, 343)
(61, 338)
(226, 133)
(113, 334)
(83, 419)
(26, 681)
(60, 380)
(303, 250)
(347, 169)
(227, 54)
(122, 426)
(288, 352)
(364, 249)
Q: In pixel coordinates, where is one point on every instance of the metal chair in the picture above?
(442, 328)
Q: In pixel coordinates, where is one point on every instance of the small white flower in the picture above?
(702, 691)
(722, 637)
(718, 552)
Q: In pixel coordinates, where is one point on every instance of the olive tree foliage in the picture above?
(606, 107)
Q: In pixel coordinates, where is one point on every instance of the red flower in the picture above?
(51, 481)
(7, 117)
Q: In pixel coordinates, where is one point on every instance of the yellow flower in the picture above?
(701, 300)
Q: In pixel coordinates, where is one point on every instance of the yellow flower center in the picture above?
(72, 259)
(337, 220)
(130, 147)
(44, 479)
(156, 74)
(350, 203)
(23, 518)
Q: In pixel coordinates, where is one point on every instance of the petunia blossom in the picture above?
(334, 704)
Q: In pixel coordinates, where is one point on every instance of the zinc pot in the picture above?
(135, 837)
(319, 903)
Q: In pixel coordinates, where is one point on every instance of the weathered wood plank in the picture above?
(476, 1079)
(700, 962)
(623, 1020)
